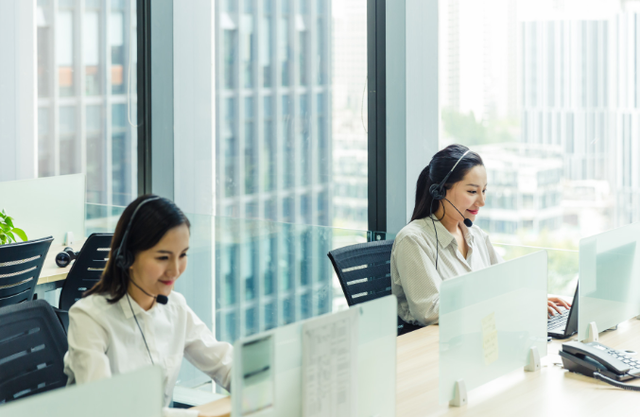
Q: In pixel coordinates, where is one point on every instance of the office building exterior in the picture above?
(581, 96)
(87, 105)
(273, 161)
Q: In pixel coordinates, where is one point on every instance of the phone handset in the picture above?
(601, 362)
(599, 353)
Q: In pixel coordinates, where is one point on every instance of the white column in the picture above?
(18, 90)
(412, 101)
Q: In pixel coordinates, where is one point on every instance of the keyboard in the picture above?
(559, 321)
(634, 364)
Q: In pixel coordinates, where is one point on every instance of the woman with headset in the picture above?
(441, 241)
(132, 317)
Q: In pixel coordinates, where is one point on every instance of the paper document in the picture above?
(329, 365)
(489, 339)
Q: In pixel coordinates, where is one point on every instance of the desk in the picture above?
(552, 391)
(218, 408)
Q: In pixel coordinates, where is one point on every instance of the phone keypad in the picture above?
(634, 364)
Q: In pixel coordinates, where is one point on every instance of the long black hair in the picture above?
(434, 173)
(153, 220)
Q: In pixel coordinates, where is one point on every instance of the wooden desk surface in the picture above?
(551, 391)
(52, 272)
(219, 408)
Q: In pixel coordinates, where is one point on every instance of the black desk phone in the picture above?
(601, 362)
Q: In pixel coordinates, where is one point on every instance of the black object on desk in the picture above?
(65, 257)
(33, 330)
(20, 267)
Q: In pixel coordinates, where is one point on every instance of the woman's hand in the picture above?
(554, 304)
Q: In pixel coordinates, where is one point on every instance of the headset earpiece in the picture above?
(436, 191)
(123, 260)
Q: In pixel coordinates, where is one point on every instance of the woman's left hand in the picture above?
(554, 304)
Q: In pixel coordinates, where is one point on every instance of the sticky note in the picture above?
(489, 339)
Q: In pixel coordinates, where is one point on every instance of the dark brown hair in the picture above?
(152, 221)
(434, 173)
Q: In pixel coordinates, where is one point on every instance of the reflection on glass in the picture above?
(301, 28)
(304, 139)
(116, 42)
(247, 49)
(284, 49)
(288, 139)
(121, 157)
(230, 147)
(250, 149)
(45, 144)
(64, 52)
(69, 144)
(266, 48)
(91, 52)
(270, 153)
(96, 149)
(44, 49)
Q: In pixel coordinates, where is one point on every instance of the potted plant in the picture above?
(8, 232)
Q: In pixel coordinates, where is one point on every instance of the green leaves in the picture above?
(8, 232)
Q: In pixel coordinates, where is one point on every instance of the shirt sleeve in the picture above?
(419, 279)
(206, 353)
(86, 360)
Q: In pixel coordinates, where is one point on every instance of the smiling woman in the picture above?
(132, 317)
(439, 244)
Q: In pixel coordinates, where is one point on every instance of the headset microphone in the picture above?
(467, 222)
(161, 299)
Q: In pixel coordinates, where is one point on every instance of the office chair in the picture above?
(32, 348)
(364, 271)
(84, 273)
(20, 267)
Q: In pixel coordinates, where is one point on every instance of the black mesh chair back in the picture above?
(86, 269)
(32, 348)
(20, 267)
(364, 270)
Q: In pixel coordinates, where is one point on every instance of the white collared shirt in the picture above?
(104, 340)
(414, 278)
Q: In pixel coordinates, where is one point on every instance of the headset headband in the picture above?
(121, 258)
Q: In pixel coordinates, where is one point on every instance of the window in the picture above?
(540, 92)
(291, 144)
(86, 111)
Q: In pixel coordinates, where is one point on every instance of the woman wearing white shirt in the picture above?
(449, 194)
(132, 317)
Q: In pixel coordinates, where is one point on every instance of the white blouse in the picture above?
(414, 278)
(104, 340)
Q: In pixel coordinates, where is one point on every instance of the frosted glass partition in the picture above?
(135, 394)
(246, 275)
(609, 278)
(48, 206)
(490, 319)
(267, 373)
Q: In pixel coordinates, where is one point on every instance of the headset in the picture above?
(125, 258)
(438, 193)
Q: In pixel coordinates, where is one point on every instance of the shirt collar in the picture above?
(126, 309)
(445, 238)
